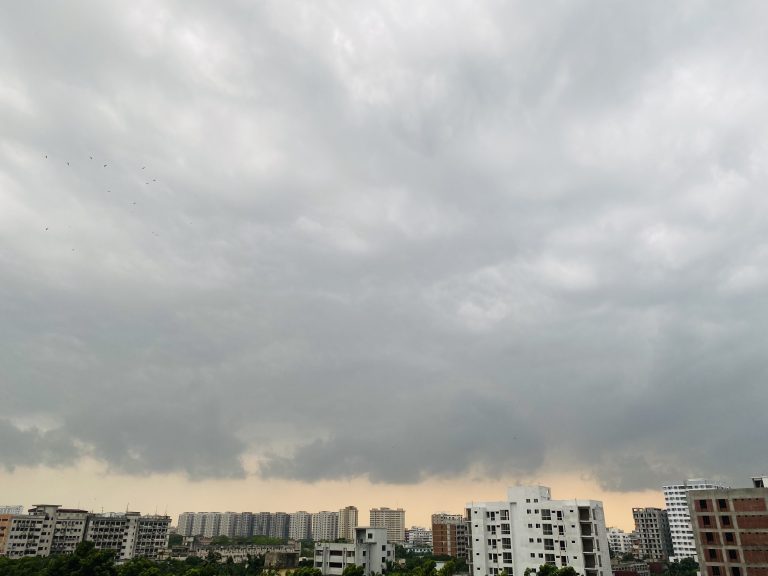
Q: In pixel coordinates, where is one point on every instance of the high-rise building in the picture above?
(676, 502)
(228, 524)
(392, 520)
(449, 535)
(530, 529)
(325, 526)
(5, 527)
(212, 524)
(262, 522)
(245, 525)
(347, 523)
(368, 549)
(299, 525)
(652, 528)
(278, 525)
(731, 530)
(198, 523)
(185, 524)
(619, 541)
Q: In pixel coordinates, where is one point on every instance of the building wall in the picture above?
(676, 502)
(300, 526)
(278, 526)
(369, 549)
(530, 529)
(325, 526)
(16, 509)
(391, 519)
(185, 523)
(449, 535)
(347, 523)
(619, 541)
(731, 531)
(652, 528)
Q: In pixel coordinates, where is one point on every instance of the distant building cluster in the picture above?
(725, 530)
(50, 529)
(324, 526)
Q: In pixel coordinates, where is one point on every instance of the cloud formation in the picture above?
(384, 240)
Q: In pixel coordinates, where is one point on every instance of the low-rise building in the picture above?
(369, 549)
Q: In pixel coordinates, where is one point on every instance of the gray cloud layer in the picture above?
(384, 239)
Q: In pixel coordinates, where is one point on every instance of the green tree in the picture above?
(353, 570)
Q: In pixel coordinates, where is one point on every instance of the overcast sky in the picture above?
(384, 242)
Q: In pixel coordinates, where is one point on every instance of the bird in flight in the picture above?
(105, 165)
(91, 157)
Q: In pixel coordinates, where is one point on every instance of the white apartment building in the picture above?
(676, 501)
(15, 509)
(392, 520)
(619, 541)
(369, 549)
(347, 523)
(244, 524)
(300, 525)
(129, 534)
(185, 524)
(211, 524)
(278, 525)
(228, 524)
(49, 529)
(530, 529)
(325, 526)
(419, 536)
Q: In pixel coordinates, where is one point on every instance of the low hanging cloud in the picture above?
(329, 241)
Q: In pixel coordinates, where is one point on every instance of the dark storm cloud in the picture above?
(384, 240)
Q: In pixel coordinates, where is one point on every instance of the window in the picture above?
(706, 520)
(722, 504)
(715, 570)
(709, 537)
(703, 504)
(729, 537)
(712, 553)
(733, 555)
(725, 520)
(735, 571)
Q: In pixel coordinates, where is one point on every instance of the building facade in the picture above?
(391, 519)
(347, 523)
(652, 529)
(325, 526)
(300, 525)
(449, 535)
(15, 509)
(278, 525)
(49, 529)
(619, 541)
(731, 530)
(680, 529)
(530, 529)
(419, 536)
(369, 549)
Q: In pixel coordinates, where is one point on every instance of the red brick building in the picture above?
(731, 531)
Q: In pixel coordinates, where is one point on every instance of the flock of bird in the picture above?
(105, 165)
